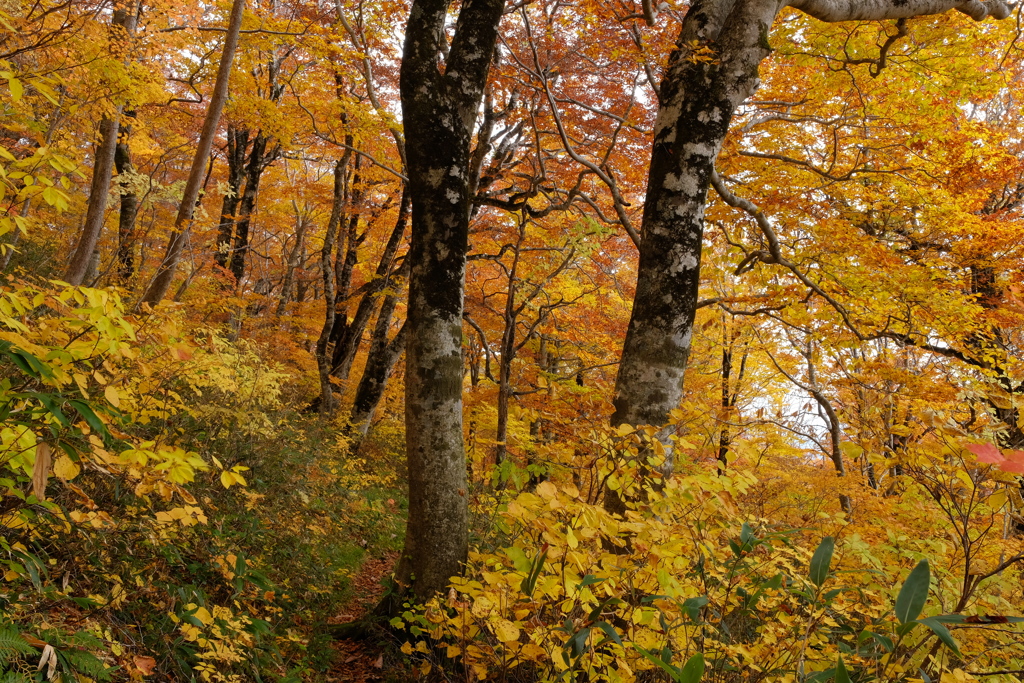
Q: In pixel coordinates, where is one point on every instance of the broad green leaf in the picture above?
(821, 562)
(914, 593)
(693, 670)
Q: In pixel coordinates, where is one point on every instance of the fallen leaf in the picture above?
(144, 664)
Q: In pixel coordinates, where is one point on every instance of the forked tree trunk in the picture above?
(348, 344)
(439, 113)
(259, 160)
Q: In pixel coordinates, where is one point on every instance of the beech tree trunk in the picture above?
(323, 358)
(380, 363)
(259, 159)
(238, 144)
(129, 209)
(439, 113)
(169, 264)
(697, 98)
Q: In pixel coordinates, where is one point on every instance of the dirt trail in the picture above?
(362, 661)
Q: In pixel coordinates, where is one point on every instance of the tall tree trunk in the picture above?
(697, 98)
(238, 145)
(259, 159)
(344, 267)
(129, 208)
(123, 19)
(294, 259)
(380, 363)
(323, 358)
(102, 170)
(439, 113)
(169, 264)
(346, 347)
(507, 349)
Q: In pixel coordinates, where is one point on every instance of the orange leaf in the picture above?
(986, 452)
(144, 664)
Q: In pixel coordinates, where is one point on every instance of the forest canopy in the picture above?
(512, 341)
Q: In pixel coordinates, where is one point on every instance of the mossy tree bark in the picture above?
(711, 72)
(439, 107)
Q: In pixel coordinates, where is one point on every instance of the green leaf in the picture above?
(693, 670)
(654, 659)
(841, 674)
(86, 411)
(914, 593)
(578, 643)
(942, 632)
(821, 562)
(693, 606)
(747, 536)
(52, 404)
(609, 631)
(882, 640)
(530, 582)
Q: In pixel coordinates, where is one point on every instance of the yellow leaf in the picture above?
(203, 615)
(65, 468)
(506, 631)
(407, 648)
(226, 479)
(111, 393)
(997, 500)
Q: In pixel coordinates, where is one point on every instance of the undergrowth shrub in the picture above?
(161, 512)
(687, 585)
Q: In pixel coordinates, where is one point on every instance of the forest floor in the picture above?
(362, 661)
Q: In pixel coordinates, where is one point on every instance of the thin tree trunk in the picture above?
(102, 170)
(294, 258)
(258, 162)
(508, 351)
(323, 359)
(344, 266)
(129, 209)
(238, 145)
(379, 365)
(346, 347)
(182, 222)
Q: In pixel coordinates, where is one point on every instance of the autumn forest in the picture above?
(511, 340)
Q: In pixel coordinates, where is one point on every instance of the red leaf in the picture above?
(1017, 456)
(1011, 466)
(986, 452)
